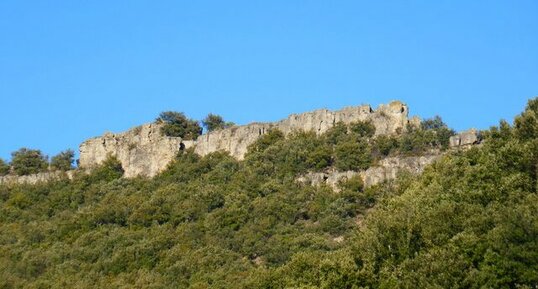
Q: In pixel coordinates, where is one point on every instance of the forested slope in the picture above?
(469, 221)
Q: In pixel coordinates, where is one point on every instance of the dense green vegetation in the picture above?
(469, 221)
(4, 168)
(31, 161)
(215, 122)
(28, 161)
(176, 124)
(63, 161)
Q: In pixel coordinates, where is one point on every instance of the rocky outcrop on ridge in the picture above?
(465, 139)
(35, 178)
(145, 151)
(142, 151)
(387, 119)
(386, 169)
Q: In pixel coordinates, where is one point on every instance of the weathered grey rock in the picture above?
(387, 169)
(464, 139)
(388, 119)
(142, 151)
(35, 178)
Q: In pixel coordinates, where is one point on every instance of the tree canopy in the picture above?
(4, 168)
(28, 161)
(214, 122)
(63, 161)
(176, 124)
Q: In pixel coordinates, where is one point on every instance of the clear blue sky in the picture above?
(70, 70)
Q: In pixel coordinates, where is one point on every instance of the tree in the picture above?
(527, 123)
(110, 169)
(4, 168)
(215, 122)
(352, 155)
(432, 123)
(63, 161)
(271, 137)
(176, 124)
(363, 128)
(28, 161)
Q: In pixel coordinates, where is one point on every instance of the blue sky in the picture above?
(70, 70)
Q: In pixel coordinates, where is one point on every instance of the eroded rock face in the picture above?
(465, 139)
(35, 178)
(142, 151)
(387, 169)
(388, 119)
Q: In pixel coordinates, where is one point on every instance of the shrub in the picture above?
(384, 145)
(336, 133)
(109, 170)
(441, 132)
(28, 161)
(526, 124)
(4, 168)
(176, 124)
(215, 122)
(432, 123)
(352, 155)
(363, 128)
(63, 161)
(266, 140)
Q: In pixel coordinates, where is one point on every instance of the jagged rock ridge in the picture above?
(387, 119)
(144, 151)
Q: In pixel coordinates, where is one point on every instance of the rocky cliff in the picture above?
(142, 151)
(386, 169)
(388, 119)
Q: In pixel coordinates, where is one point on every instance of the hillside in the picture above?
(212, 220)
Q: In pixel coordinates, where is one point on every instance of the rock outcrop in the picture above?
(387, 119)
(387, 169)
(145, 151)
(35, 178)
(142, 151)
(465, 139)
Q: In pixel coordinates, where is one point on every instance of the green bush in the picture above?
(352, 155)
(4, 168)
(526, 124)
(63, 161)
(110, 169)
(269, 138)
(432, 134)
(336, 133)
(215, 122)
(363, 128)
(28, 161)
(176, 124)
(384, 145)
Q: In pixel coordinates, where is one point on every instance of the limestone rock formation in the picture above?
(142, 151)
(35, 178)
(465, 139)
(388, 119)
(387, 169)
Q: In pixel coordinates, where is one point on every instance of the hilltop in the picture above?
(295, 209)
